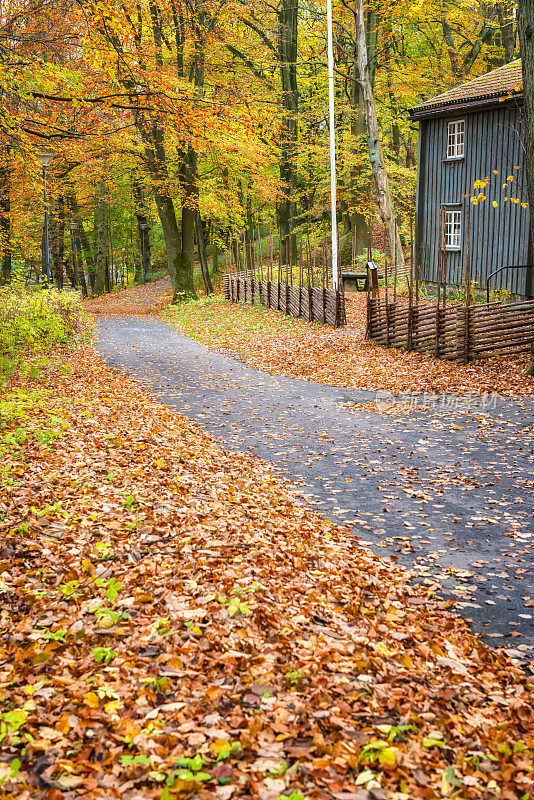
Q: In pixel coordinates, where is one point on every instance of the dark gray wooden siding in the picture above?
(498, 236)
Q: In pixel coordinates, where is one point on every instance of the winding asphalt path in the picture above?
(446, 489)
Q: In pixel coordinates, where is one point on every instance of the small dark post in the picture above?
(325, 264)
(314, 268)
(395, 268)
(467, 285)
(440, 249)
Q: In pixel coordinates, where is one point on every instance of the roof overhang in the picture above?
(465, 106)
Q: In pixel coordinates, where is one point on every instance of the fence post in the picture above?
(287, 299)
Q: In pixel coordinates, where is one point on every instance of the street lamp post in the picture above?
(144, 228)
(74, 227)
(331, 105)
(45, 159)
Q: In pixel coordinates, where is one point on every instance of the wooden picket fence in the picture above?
(455, 332)
(310, 303)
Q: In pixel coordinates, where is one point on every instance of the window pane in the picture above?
(452, 229)
(455, 138)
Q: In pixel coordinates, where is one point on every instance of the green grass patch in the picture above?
(214, 321)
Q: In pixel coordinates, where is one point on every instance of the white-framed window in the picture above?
(452, 228)
(456, 139)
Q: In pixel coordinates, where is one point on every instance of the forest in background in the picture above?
(208, 121)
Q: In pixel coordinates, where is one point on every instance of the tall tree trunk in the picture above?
(287, 56)
(202, 255)
(101, 240)
(383, 191)
(358, 223)
(451, 48)
(525, 23)
(180, 268)
(80, 252)
(188, 181)
(5, 217)
(82, 243)
(57, 240)
(505, 15)
(138, 194)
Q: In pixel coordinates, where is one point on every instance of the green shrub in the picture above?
(31, 321)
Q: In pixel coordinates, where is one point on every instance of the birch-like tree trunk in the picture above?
(383, 191)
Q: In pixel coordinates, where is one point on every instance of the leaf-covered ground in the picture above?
(278, 344)
(148, 299)
(176, 624)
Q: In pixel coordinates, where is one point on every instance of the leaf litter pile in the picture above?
(277, 344)
(176, 624)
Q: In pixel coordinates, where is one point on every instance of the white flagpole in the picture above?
(333, 187)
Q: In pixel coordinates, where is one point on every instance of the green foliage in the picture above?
(11, 722)
(130, 760)
(293, 796)
(55, 636)
(112, 586)
(103, 654)
(14, 771)
(30, 322)
(190, 770)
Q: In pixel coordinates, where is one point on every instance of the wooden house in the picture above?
(471, 174)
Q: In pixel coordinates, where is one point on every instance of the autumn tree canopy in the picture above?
(209, 119)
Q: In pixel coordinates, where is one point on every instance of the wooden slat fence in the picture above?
(313, 304)
(456, 332)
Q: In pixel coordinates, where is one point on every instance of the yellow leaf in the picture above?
(106, 621)
(91, 700)
(495, 171)
(160, 463)
(382, 648)
(510, 178)
(388, 757)
(524, 205)
(220, 746)
(112, 706)
(406, 661)
(495, 204)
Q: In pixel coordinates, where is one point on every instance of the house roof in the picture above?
(484, 90)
